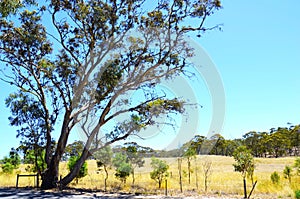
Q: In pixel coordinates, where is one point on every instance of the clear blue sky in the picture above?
(258, 57)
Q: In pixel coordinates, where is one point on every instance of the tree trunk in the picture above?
(189, 170)
(245, 189)
(67, 179)
(133, 177)
(106, 177)
(50, 176)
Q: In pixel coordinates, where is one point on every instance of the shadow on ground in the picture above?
(9, 193)
(31, 193)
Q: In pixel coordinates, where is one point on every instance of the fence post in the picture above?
(166, 187)
(60, 185)
(37, 181)
(245, 189)
(17, 181)
(179, 170)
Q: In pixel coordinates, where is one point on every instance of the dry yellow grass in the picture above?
(223, 179)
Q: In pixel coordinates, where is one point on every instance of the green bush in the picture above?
(8, 168)
(297, 166)
(83, 170)
(12, 162)
(123, 168)
(275, 178)
(35, 160)
(287, 172)
(297, 194)
(123, 171)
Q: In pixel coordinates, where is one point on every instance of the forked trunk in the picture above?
(50, 176)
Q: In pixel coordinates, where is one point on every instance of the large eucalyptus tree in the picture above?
(78, 60)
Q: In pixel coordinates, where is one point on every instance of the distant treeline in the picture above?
(283, 141)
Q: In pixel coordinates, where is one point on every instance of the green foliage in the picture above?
(8, 168)
(123, 168)
(134, 154)
(83, 170)
(297, 194)
(118, 159)
(196, 143)
(287, 172)
(8, 7)
(279, 142)
(219, 144)
(123, 171)
(244, 160)
(73, 149)
(275, 177)
(297, 165)
(36, 161)
(104, 159)
(12, 162)
(28, 115)
(104, 156)
(253, 141)
(160, 170)
(135, 157)
(190, 152)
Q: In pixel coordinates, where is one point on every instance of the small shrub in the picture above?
(297, 166)
(287, 172)
(83, 170)
(10, 163)
(297, 194)
(8, 168)
(275, 178)
(123, 171)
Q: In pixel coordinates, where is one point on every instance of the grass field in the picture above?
(223, 179)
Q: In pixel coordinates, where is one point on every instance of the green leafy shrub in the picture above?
(297, 166)
(12, 162)
(8, 168)
(83, 170)
(275, 178)
(287, 172)
(35, 159)
(123, 168)
(123, 171)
